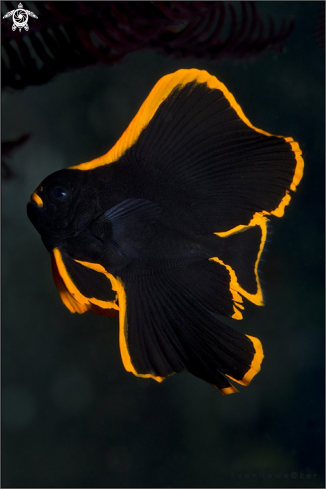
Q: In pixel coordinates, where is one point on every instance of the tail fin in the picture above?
(168, 325)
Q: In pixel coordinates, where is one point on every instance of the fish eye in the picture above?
(58, 193)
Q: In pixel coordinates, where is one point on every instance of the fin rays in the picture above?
(189, 337)
(181, 203)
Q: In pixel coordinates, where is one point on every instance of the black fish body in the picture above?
(168, 228)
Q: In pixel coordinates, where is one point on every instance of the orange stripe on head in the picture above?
(37, 199)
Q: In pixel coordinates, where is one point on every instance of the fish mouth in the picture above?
(36, 199)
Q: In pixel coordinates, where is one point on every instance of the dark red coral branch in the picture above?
(70, 35)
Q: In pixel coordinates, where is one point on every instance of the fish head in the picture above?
(62, 206)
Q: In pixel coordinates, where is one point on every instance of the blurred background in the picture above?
(71, 415)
